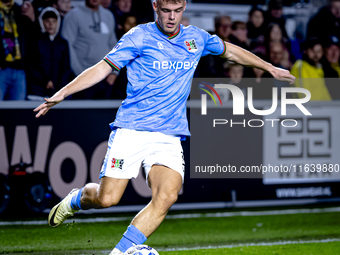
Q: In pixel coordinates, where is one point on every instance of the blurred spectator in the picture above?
(331, 61)
(49, 68)
(332, 52)
(62, 6)
(275, 15)
(15, 25)
(119, 8)
(310, 73)
(39, 5)
(106, 3)
(185, 21)
(223, 27)
(272, 34)
(119, 89)
(128, 21)
(212, 66)
(278, 55)
(89, 32)
(239, 34)
(255, 25)
(235, 73)
(143, 8)
(326, 22)
(123, 6)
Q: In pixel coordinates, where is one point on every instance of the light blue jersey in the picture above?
(159, 68)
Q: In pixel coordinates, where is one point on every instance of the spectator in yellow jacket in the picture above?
(310, 73)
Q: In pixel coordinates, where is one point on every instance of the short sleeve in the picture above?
(213, 44)
(127, 49)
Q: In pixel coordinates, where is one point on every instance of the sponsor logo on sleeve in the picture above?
(117, 46)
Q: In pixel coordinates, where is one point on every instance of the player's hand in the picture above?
(45, 107)
(282, 75)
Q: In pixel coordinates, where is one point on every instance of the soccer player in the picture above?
(161, 58)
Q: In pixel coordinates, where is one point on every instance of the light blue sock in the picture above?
(131, 236)
(75, 201)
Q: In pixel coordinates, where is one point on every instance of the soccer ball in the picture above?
(141, 250)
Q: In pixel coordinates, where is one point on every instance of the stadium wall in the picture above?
(69, 145)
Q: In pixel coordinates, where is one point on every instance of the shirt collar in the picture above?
(170, 36)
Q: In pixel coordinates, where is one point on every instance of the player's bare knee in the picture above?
(165, 200)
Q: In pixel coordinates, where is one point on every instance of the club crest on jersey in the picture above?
(191, 45)
(117, 163)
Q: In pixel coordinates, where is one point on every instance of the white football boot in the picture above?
(62, 211)
(115, 251)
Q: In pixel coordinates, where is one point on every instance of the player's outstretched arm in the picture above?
(86, 79)
(246, 58)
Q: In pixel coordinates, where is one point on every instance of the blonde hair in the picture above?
(170, 1)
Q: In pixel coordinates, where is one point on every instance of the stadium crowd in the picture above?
(44, 44)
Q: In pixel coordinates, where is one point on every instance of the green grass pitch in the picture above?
(100, 238)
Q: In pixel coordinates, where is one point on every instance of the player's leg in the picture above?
(164, 167)
(165, 184)
(93, 195)
(103, 195)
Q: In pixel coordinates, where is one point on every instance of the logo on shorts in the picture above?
(117, 163)
(191, 45)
